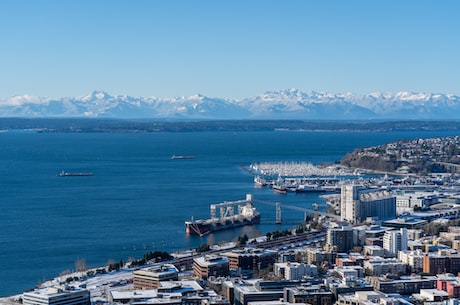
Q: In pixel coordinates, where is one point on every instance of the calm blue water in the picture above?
(138, 198)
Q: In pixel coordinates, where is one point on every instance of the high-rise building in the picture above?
(359, 203)
(340, 238)
(348, 196)
(395, 241)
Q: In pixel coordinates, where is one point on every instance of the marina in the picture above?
(299, 177)
(302, 184)
(298, 169)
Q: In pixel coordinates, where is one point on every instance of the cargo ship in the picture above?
(176, 157)
(225, 215)
(67, 174)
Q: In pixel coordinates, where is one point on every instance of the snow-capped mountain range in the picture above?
(285, 104)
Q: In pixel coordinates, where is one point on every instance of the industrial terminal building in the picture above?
(358, 203)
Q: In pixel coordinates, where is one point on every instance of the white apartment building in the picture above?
(294, 271)
(395, 241)
(349, 274)
(374, 251)
(377, 266)
(412, 258)
(348, 197)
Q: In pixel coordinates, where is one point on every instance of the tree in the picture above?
(80, 265)
(203, 248)
(114, 266)
(242, 240)
(157, 255)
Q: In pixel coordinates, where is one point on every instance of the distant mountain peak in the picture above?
(96, 95)
(197, 96)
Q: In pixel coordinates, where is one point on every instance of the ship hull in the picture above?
(203, 227)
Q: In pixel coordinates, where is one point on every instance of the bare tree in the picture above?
(80, 264)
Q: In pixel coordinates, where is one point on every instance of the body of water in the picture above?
(138, 198)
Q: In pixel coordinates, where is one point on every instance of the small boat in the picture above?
(259, 181)
(67, 174)
(174, 157)
(281, 189)
(307, 188)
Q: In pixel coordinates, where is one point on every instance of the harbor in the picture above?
(145, 189)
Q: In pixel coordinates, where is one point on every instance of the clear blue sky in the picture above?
(229, 49)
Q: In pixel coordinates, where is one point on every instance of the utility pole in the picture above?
(278, 213)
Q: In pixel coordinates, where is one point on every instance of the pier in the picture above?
(298, 176)
(225, 215)
(279, 206)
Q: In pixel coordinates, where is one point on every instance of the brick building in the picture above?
(210, 265)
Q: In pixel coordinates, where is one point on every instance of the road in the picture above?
(100, 284)
(185, 263)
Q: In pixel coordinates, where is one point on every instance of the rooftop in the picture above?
(210, 260)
